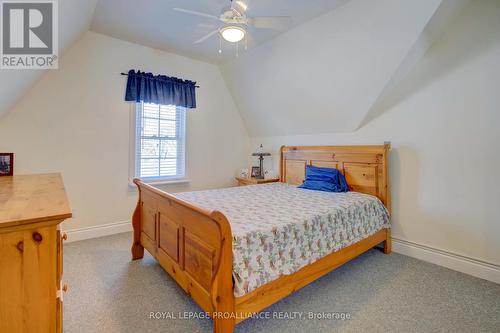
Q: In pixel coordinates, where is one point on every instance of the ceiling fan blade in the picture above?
(193, 12)
(270, 22)
(206, 36)
(208, 26)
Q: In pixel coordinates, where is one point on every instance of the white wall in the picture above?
(74, 121)
(444, 125)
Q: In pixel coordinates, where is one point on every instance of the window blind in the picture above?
(160, 142)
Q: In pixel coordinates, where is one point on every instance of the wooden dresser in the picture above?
(31, 209)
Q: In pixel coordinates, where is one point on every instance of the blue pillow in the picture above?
(318, 185)
(320, 174)
(324, 179)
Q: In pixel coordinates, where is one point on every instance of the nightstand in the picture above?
(255, 181)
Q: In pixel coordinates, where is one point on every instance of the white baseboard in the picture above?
(98, 231)
(457, 262)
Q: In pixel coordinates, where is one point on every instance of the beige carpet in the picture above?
(109, 293)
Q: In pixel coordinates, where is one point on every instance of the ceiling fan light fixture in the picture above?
(232, 33)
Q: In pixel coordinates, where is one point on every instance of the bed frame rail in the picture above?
(192, 244)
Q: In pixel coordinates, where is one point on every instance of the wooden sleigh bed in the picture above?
(194, 245)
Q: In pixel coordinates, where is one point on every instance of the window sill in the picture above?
(164, 182)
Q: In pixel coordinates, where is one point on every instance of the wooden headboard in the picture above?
(364, 167)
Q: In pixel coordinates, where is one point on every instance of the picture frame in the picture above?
(256, 172)
(6, 164)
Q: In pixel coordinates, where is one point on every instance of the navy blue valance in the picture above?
(160, 89)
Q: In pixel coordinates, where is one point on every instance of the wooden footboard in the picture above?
(193, 245)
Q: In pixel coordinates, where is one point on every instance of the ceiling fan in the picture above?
(235, 22)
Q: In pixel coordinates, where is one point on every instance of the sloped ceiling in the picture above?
(447, 11)
(154, 23)
(75, 17)
(324, 75)
(321, 74)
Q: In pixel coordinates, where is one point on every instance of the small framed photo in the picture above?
(256, 172)
(6, 164)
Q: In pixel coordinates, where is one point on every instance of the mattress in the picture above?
(279, 228)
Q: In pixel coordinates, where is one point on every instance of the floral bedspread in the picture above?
(279, 228)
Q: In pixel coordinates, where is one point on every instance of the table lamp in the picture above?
(261, 154)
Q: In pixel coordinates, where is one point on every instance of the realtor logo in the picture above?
(29, 34)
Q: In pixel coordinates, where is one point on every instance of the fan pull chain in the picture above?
(220, 43)
(237, 54)
(246, 42)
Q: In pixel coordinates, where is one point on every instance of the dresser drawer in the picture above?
(28, 276)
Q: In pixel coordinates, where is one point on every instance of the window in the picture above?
(159, 142)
